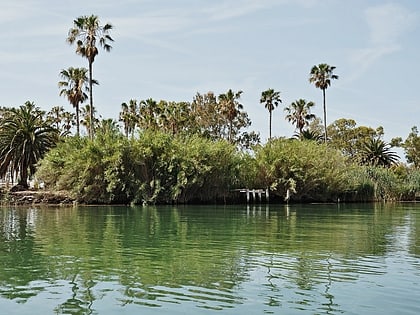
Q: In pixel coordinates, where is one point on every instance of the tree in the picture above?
(25, 137)
(412, 147)
(73, 86)
(271, 99)
(230, 108)
(87, 32)
(377, 152)
(321, 77)
(350, 139)
(299, 114)
(129, 117)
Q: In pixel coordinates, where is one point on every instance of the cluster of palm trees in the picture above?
(88, 34)
(26, 133)
(299, 111)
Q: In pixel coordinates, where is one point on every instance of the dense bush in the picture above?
(155, 168)
(310, 171)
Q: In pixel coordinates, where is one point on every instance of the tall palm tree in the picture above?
(271, 99)
(73, 86)
(230, 108)
(87, 32)
(25, 137)
(299, 113)
(321, 76)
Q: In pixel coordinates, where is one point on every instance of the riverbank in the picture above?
(31, 196)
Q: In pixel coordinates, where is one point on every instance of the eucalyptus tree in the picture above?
(321, 76)
(205, 113)
(25, 137)
(74, 86)
(299, 113)
(230, 108)
(271, 99)
(411, 147)
(87, 33)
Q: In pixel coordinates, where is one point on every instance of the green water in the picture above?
(311, 259)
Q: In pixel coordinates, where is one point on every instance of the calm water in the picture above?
(312, 259)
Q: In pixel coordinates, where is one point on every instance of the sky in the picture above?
(173, 49)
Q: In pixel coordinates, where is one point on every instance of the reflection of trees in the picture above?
(18, 255)
(153, 253)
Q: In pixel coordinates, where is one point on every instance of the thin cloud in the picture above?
(386, 25)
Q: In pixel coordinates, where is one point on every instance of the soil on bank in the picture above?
(32, 196)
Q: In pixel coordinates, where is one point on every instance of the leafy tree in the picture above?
(25, 137)
(321, 76)
(377, 152)
(73, 87)
(299, 114)
(230, 108)
(87, 33)
(412, 147)
(310, 170)
(271, 99)
(207, 118)
(350, 139)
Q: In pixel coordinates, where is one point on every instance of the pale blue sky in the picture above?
(172, 49)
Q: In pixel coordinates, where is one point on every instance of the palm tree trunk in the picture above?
(269, 125)
(23, 176)
(77, 120)
(91, 100)
(325, 117)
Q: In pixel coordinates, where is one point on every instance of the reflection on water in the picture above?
(324, 259)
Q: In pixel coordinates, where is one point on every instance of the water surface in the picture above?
(311, 259)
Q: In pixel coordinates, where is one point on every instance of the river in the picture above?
(258, 259)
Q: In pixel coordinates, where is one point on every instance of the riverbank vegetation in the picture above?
(199, 151)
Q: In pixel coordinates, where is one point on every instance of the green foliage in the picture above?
(309, 170)
(412, 147)
(156, 168)
(25, 137)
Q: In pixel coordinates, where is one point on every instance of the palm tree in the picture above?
(25, 137)
(85, 120)
(321, 76)
(271, 99)
(299, 113)
(73, 87)
(230, 108)
(86, 32)
(129, 117)
(377, 152)
(55, 116)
